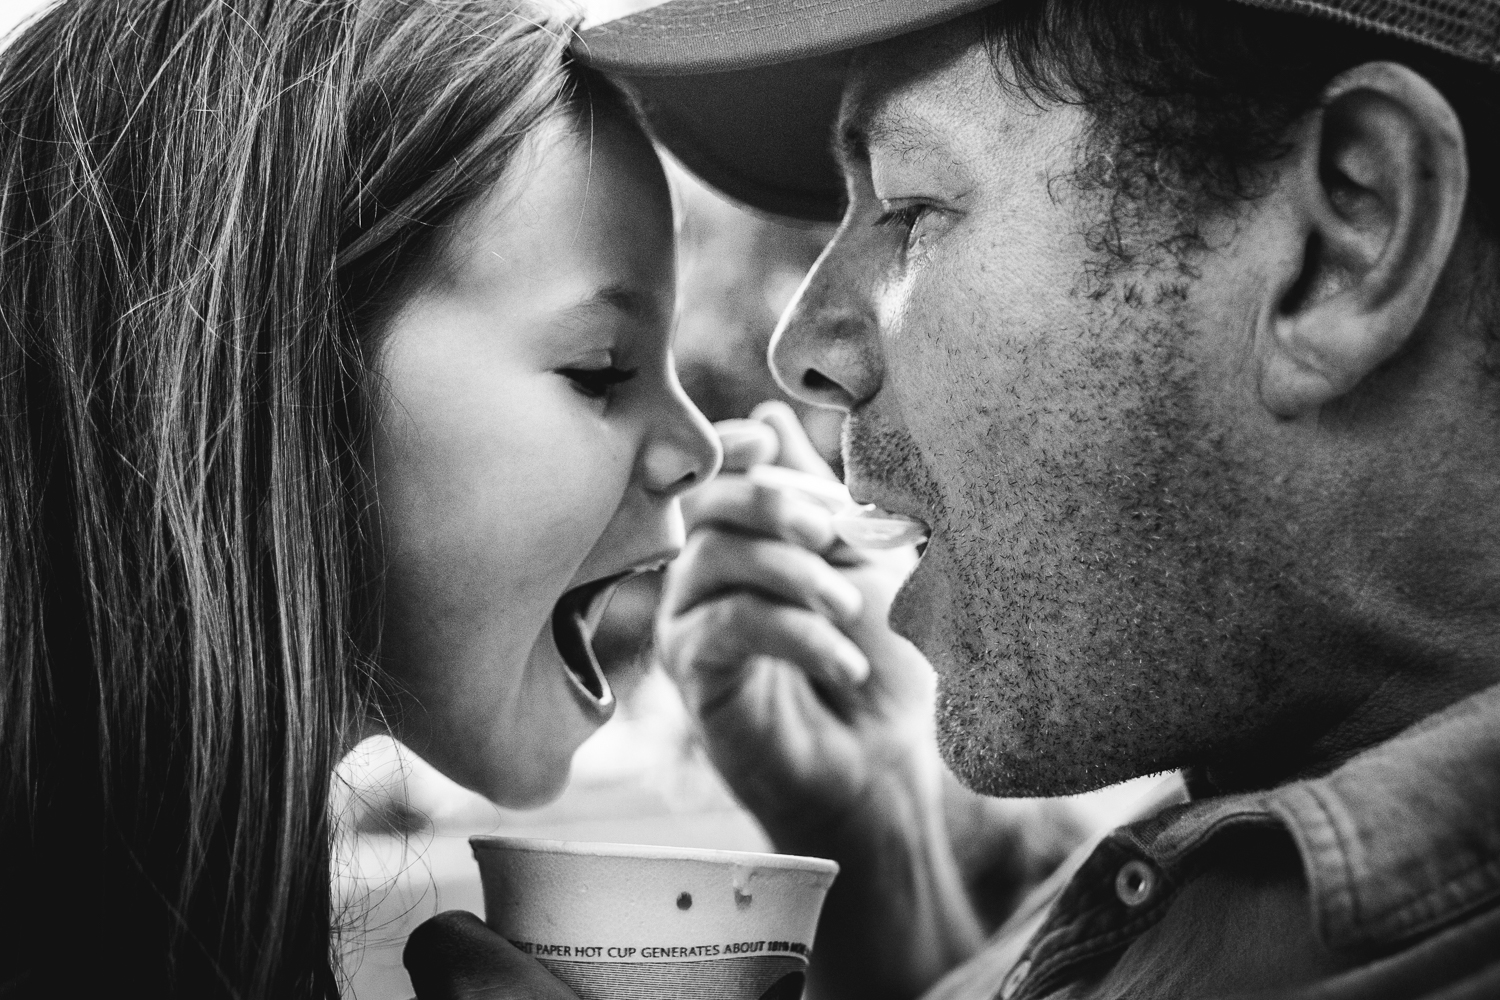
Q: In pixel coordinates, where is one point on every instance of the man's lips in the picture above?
(574, 620)
(870, 492)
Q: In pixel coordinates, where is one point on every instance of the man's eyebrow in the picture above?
(870, 124)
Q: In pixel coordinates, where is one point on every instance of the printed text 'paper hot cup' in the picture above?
(629, 922)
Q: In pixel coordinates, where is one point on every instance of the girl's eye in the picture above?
(595, 383)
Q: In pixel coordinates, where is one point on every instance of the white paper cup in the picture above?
(630, 922)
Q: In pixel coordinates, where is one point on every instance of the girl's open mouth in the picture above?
(574, 622)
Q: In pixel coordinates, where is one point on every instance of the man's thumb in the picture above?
(797, 451)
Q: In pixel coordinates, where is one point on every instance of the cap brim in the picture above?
(745, 92)
(760, 136)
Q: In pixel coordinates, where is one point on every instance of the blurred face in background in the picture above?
(530, 452)
(1119, 578)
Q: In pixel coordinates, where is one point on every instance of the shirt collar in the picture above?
(1396, 843)
(1405, 837)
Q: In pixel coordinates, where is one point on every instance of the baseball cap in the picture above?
(745, 92)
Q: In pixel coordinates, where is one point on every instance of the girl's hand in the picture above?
(454, 956)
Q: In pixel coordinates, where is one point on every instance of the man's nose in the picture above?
(826, 349)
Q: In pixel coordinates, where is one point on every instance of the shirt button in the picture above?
(1014, 978)
(1135, 883)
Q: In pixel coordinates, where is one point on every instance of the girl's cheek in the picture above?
(563, 483)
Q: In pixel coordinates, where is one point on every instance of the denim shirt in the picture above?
(1394, 859)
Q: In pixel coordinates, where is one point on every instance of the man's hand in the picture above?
(454, 956)
(816, 713)
(777, 633)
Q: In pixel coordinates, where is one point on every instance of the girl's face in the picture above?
(531, 446)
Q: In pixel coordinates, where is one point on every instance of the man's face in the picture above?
(1115, 575)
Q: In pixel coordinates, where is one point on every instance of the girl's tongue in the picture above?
(574, 620)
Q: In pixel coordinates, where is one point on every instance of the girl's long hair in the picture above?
(202, 205)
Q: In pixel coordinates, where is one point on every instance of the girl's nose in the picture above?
(683, 450)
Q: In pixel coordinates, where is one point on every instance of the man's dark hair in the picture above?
(1190, 97)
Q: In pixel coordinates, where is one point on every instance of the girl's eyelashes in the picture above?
(595, 383)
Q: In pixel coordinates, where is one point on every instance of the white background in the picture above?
(12, 12)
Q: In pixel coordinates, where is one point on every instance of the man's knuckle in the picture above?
(730, 613)
(785, 618)
(770, 506)
(689, 556)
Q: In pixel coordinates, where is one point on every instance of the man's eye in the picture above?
(595, 383)
(905, 219)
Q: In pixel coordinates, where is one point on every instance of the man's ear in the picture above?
(1375, 188)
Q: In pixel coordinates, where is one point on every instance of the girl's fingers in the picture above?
(719, 561)
(454, 956)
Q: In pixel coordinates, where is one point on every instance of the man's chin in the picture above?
(1001, 774)
(1003, 729)
(993, 744)
(926, 615)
